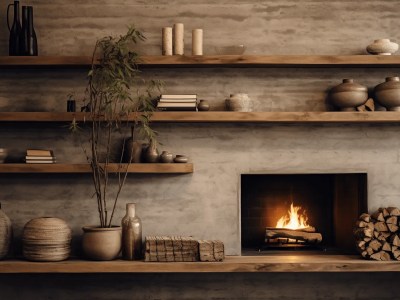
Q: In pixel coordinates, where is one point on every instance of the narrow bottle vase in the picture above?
(131, 234)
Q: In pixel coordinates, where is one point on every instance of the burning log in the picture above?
(307, 235)
(377, 235)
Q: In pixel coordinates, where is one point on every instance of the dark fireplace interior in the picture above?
(331, 202)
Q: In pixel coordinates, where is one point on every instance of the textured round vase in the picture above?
(182, 159)
(382, 47)
(239, 102)
(348, 95)
(166, 157)
(101, 243)
(5, 234)
(46, 239)
(387, 93)
(203, 105)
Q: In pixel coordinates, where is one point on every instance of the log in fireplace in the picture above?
(301, 211)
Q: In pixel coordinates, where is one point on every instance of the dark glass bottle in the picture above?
(15, 30)
(28, 40)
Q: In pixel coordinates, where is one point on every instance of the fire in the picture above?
(294, 220)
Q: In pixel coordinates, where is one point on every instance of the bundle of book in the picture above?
(178, 248)
(177, 103)
(38, 156)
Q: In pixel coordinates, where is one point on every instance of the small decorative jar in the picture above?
(239, 102)
(151, 154)
(382, 47)
(387, 93)
(166, 157)
(181, 159)
(348, 95)
(6, 234)
(203, 105)
(131, 234)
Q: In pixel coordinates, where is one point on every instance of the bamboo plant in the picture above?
(115, 91)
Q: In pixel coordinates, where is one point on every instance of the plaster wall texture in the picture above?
(204, 204)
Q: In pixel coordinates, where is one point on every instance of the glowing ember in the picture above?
(294, 219)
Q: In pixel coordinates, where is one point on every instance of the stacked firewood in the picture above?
(378, 235)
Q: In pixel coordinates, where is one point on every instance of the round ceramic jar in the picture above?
(181, 159)
(387, 93)
(239, 102)
(203, 105)
(382, 47)
(166, 157)
(348, 95)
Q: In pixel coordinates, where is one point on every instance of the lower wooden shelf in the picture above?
(85, 168)
(243, 264)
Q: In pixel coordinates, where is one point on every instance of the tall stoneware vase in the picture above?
(131, 234)
(5, 234)
(101, 243)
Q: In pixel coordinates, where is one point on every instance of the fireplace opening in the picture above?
(301, 211)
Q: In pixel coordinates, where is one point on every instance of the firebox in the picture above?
(301, 211)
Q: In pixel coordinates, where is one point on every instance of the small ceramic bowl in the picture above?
(230, 50)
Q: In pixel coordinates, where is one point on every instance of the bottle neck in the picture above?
(131, 210)
(16, 11)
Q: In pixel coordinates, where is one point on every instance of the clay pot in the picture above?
(6, 234)
(382, 47)
(348, 95)
(166, 157)
(133, 151)
(150, 153)
(181, 159)
(203, 105)
(239, 102)
(387, 93)
(102, 243)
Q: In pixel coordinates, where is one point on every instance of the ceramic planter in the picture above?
(101, 243)
(387, 93)
(348, 95)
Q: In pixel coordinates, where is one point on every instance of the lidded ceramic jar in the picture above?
(348, 95)
(387, 93)
(382, 47)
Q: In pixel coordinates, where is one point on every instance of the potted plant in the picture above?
(115, 91)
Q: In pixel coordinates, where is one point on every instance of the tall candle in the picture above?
(197, 42)
(178, 39)
(167, 41)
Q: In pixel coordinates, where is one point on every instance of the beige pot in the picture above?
(101, 243)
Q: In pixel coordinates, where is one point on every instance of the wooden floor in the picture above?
(243, 264)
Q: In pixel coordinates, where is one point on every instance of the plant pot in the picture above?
(387, 93)
(348, 95)
(101, 243)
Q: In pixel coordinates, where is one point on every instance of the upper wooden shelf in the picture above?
(220, 117)
(211, 60)
(242, 264)
(85, 168)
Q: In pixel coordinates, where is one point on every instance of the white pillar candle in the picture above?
(197, 42)
(167, 41)
(178, 39)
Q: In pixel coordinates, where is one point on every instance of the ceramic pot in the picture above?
(6, 234)
(101, 243)
(348, 95)
(387, 93)
(166, 157)
(131, 234)
(382, 47)
(46, 239)
(239, 102)
(151, 154)
(203, 105)
(181, 159)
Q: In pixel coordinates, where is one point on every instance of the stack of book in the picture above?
(37, 156)
(177, 102)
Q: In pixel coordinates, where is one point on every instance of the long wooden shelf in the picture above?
(242, 264)
(220, 117)
(158, 168)
(212, 60)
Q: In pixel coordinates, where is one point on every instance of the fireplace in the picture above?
(327, 204)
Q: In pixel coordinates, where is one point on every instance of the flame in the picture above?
(294, 220)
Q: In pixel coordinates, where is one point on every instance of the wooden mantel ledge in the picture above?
(243, 264)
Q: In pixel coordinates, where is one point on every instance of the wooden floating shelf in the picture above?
(242, 264)
(85, 168)
(220, 117)
(212, 60)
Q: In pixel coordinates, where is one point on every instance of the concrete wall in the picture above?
(206, 203)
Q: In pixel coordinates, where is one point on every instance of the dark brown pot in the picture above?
(348, 95)
(151, 154)
(133, 151)
(388, 93)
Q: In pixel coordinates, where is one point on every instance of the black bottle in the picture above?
(15, 30)
(28, 41)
